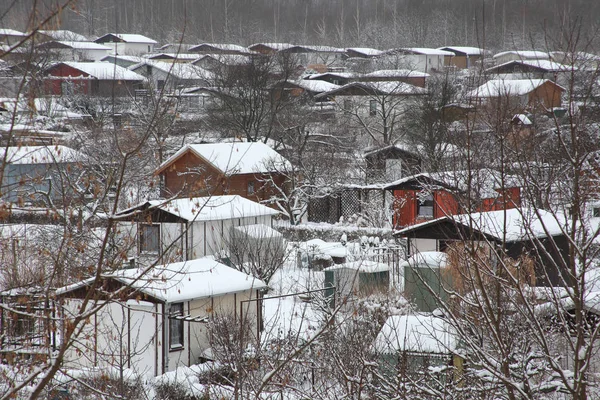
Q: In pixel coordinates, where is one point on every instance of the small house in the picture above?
(520, 55)
(220, 62)
(127, 43)
(269, 48)
(415, 58)
(427, 281)
(11, 37)
(369, 99)
(186, 229)
(249, 169)
(519, 232)
(90, 78)
(35, 174)
(362, 52)
(336, 78)
(220, 48)
(392, 162)
(75, 51)
(463, 56)
(307, 88)
(426, 196)
(174, 57)
(415, 343)
(171, 76)
(44, 35)
(412, 77)
(123, 60)
(318, 58)
(521, 94)
(154, 321)
(357, 278)
(531, 69)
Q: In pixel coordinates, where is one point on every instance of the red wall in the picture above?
(445, 203)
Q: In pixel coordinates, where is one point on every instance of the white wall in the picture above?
(120, 335)
(129, 49)
(422, 245)
(202, 239)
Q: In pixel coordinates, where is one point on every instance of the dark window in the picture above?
(373, 108)
(251, 187)
(347, 105)
(175, 326)
(596, 212)
(149, 238)
(425, 206)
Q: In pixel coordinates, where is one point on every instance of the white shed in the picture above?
(186, 229)
(158, 321)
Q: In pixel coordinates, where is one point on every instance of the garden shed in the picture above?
(360, 278)
(425, 279)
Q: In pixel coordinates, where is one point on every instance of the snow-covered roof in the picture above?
(390, 73)
(579, 57)
(178, 70)
(259, 231)
(274, 46)
(524, 54)
(367, 51)
(10, 32)
(222, 47)
(514, 224)
(176, 47)
(385, 88)
(235, 158)
(366, 266)
(434, 259)
(320, 247)
(470, 51)
(419, 333)
(103, 70)
(40, 154)
(426, 51)
(182, 281)
(226, 59)
(83, 45)
(509, 87)
(130, 38)
(214, 208)
(135, 59)
(346, 75)
(64, 35)
(548, 65)
(522, 118)
(174, 56)
(322, 49)
(315, 85)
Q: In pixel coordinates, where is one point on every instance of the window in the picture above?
(347, 105)
(373, 108)
(250, 187)
(425, 206)
(149, 238)
(175, 326)
(596, 212)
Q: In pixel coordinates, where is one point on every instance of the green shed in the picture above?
(357, 278)
(426, 280)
